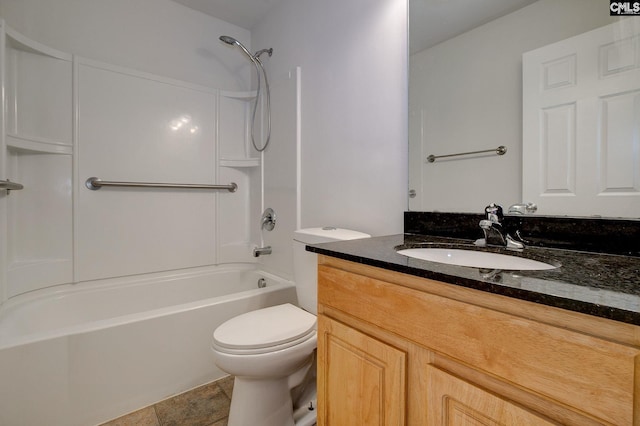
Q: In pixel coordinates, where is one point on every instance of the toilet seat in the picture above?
(265, 330)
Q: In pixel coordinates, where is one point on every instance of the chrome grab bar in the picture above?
(10, 186)
(501, 150)
(95, 183)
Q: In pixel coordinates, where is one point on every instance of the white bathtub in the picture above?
(88, 353)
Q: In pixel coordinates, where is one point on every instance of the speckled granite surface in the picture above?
(604, 285)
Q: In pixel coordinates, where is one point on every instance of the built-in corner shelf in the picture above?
(38, 82)
(247, 95)
(239, 162)
(39, 141)
(20, 42)
(34, 144)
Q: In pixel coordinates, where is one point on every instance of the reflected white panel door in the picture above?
(581, 123)
(143, 128)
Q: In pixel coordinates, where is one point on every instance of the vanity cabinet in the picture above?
(396, 349)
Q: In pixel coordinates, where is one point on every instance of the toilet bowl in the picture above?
(271, 351)
(264, 349)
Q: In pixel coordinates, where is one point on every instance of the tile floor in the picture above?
(207, 405)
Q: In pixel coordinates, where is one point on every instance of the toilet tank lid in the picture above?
(326, 234)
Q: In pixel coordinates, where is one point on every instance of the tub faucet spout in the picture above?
(261, 251)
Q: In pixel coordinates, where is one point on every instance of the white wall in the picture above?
(156, 36)
(353, 60)
(466, 95)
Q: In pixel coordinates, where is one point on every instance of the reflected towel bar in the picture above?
(501, 150)
(95, 183)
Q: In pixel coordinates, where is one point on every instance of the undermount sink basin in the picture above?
(475, 259)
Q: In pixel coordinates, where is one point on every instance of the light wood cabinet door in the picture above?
(454, 402)
(395, 349)
(361, 380)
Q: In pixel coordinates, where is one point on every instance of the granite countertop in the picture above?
(602, 285)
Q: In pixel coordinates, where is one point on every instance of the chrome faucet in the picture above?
(524, 208)
(494, 232)
(268, 220)
(261, 251)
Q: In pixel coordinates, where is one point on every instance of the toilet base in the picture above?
(306, 413)
(307, 418)
(280, 410)
(277, 401)
(261, 402)
(304, 396)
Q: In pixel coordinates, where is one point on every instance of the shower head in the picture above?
(232, 41)
(229, 40)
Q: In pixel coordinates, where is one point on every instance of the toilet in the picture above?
(271, 351)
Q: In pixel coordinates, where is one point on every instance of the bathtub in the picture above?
(90, 352)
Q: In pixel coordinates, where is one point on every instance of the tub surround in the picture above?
(598, 284)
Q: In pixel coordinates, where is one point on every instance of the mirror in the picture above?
(466, 94)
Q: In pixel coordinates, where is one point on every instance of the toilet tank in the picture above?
(305, 264)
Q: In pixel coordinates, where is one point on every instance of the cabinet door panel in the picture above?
(578, 370)
(455, 402)
(361, 381)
